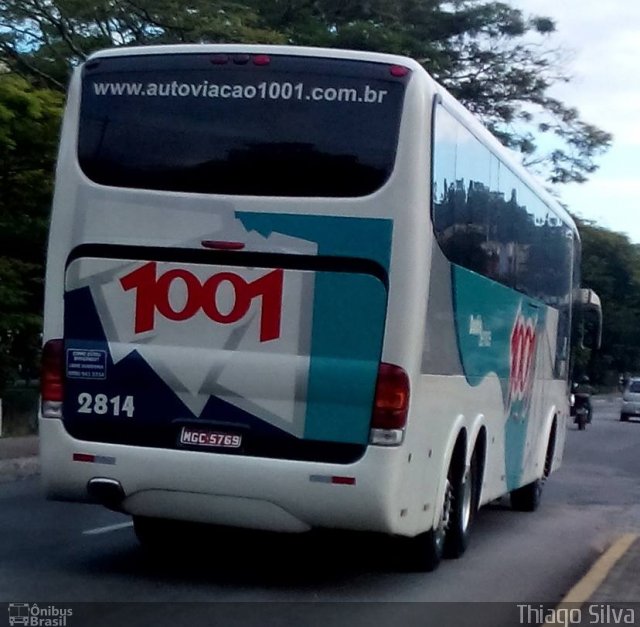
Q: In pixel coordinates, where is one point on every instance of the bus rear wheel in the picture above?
(464, 504)
(527, 498)
(424, 552)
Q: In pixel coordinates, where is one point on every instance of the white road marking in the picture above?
(107, 529)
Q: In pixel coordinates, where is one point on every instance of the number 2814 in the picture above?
(102, 405)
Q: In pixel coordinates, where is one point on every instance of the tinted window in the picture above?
(634, 387)
(487, 220)
(294, 126)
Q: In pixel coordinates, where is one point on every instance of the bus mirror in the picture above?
(591, 318)
(588, 298)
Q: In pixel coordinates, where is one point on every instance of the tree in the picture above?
(477, 48)
(611, 267)
(29, 119)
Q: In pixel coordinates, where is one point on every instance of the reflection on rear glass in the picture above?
(299, 127)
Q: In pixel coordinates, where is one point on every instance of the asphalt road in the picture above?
(64, 552)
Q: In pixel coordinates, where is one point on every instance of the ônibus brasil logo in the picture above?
(523, 350)
(152, 295)
(34, 615)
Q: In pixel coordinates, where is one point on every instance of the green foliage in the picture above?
(29, 120)
(611, 267)
(484, 51)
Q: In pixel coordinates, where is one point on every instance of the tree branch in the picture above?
(31, 69)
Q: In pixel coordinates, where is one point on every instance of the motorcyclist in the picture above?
(582, 392)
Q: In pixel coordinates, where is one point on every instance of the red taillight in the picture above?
(261, 59)
(52, 372)
(391, 403)
(399, 71)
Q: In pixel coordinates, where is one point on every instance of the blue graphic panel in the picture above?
(487, 318)
(345, 347)
(345, 353)
(347, 325)
(366, 238)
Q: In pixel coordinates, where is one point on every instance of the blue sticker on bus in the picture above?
(86, 364)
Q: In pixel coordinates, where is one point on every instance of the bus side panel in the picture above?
(489, 356)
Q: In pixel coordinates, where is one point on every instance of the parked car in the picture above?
(630, 399)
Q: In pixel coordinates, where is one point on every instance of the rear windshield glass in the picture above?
(634, 387)
(243, 124)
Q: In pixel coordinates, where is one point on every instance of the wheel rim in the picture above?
(445, 517)
(465, 512)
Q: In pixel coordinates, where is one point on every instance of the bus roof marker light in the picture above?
(399, 71)
(241, 59)
(261, 59)
(219, 59)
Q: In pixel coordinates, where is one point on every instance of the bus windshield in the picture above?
(240, 124)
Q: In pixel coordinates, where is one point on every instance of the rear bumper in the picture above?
(250, 492)
(630, 407)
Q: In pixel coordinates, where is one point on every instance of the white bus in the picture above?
(291, 288)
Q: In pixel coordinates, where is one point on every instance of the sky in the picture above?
(601, 39)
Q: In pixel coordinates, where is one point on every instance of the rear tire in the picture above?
(424, 552)
(463, 510)
(624, 417)
(527, 498)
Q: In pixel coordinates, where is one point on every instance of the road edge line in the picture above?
(582, 591)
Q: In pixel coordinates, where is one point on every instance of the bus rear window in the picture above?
(241, 125)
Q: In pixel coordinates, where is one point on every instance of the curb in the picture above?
(20, 468)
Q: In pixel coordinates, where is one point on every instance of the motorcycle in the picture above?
(581, 410)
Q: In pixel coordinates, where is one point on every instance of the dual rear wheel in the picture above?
(528, 497)
(450, 537)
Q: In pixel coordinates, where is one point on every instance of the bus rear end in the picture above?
(217, 289)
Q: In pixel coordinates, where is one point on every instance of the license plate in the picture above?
(208, 438)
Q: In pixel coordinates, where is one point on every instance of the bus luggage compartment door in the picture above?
(255, 360)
